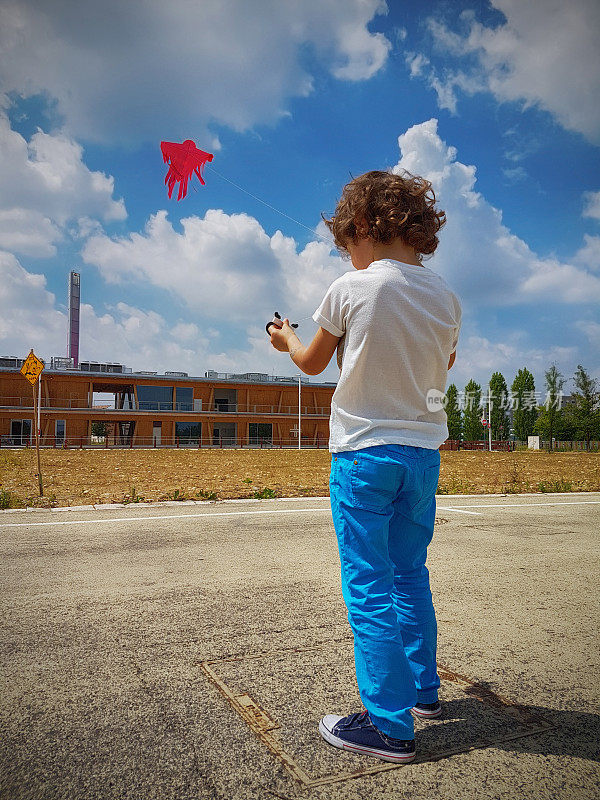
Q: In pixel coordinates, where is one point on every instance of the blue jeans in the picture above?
(383, 507)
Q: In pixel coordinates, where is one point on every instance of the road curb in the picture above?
(163, 503)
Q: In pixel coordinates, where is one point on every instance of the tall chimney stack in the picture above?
(73, 332)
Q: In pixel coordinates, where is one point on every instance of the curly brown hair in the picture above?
(392, 206)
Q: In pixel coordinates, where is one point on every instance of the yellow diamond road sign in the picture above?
(32, 367)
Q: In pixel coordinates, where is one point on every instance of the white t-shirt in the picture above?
(399, 324)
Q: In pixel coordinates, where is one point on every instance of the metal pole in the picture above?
(39, 404)
(37, 442)
(490, 417)
(299, 412)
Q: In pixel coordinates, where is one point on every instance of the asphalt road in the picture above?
(188, 651)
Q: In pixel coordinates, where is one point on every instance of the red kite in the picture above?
(185, 160)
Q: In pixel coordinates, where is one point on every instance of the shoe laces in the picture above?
(359, 716)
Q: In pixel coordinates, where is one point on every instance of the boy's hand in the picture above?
(280, 335)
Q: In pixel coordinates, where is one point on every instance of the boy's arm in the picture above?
(313, 359)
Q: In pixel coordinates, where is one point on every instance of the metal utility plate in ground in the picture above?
(282, 695)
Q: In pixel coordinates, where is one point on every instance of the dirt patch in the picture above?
(74, 477)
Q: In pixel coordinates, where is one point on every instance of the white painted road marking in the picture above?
(163, 516)
(458, 509)
(533, 505)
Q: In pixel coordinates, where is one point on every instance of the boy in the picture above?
(395, 325)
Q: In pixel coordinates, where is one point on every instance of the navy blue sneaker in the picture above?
(357, 733)
(427, 710)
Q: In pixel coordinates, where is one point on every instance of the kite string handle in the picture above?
(276, 321)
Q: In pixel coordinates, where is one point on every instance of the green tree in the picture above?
(585, 408)
(554, 385)
(453, 412)
(99, 429)
(525, 406)
(563, 428)
(472, 427)
(499, 393)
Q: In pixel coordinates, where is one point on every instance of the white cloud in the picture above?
(45, 184)
(186, 332)
(479, 357)
(231, 63)
(306, 274)
(545, 54)
(417, 64)
(28, 232)
(515, 174)
(141, 339)
(488, 265)
(364, 53)
(589, 254)
(229, 272)
(29, 317)
(491, 268)
(592, 205)
(224, 266)
(225, 273)
(553, 281)
(592, 331)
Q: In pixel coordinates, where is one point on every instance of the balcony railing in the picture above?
(27, 403)
(65, 404)
(167, 442)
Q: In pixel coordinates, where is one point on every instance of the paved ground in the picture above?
(188, 652)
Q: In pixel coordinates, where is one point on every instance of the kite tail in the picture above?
(198, 172)
(170, 180)
(182, 187)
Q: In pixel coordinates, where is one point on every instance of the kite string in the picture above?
(241, 188)
(277, 211)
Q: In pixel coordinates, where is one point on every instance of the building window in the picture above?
(155, 398)
(185, 399)
(224, 433)
(156, 433)
(20, 431)
(126, 431)
(260, 433)
(60, 427)
(188, 432)
(225, 399)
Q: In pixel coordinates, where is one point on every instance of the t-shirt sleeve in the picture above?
(458, 316)
(332, 312)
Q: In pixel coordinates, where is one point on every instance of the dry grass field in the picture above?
(74, 477)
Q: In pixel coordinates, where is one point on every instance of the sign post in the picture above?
(299, 412)
(490, 417)
(32, 369)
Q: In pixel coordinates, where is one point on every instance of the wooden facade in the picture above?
(190, 411)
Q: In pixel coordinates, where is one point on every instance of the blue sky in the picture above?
(496, 103)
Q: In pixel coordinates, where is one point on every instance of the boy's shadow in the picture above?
(483, 719)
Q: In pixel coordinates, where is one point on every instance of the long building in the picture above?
(152, 409)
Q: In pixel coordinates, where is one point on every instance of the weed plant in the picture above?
(265, 494)
(559, 485)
